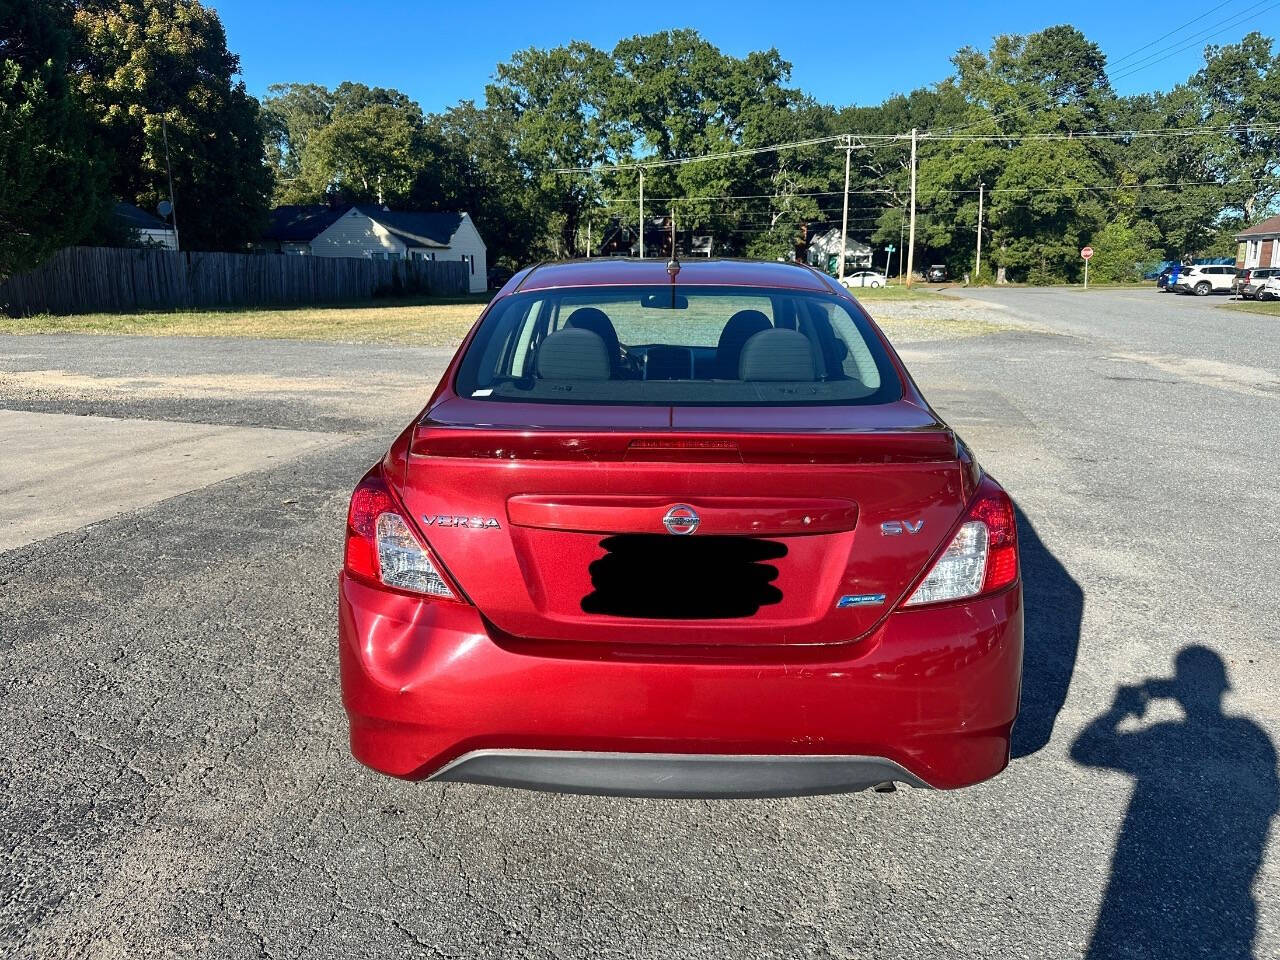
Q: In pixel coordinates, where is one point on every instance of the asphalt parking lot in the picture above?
(175, 776)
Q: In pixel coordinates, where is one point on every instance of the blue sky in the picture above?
(441, 52)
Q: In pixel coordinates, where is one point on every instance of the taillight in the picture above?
(383, 549)
(982, 556)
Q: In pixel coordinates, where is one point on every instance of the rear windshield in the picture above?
(679, 346)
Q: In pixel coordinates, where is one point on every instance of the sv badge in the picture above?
(893, 528)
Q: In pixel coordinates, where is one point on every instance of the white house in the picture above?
(150, 230)
(375, 232)
(827, 245)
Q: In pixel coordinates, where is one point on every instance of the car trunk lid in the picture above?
(657, 525)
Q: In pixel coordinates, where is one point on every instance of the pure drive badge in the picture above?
(861, 600)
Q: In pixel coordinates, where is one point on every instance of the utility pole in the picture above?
(588, 239)
(977, 263)
(911, 237)
(902, 227)
(173, 208)
(847, 146)
(641, 213)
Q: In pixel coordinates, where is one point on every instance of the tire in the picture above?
(1203, 288)
(874, 284)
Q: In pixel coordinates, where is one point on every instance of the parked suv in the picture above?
(936, 274)
(1250, 281)
(1206, 279)
(1168, 277)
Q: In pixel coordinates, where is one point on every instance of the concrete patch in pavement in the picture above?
(60, 472)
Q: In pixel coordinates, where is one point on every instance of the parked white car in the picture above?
(1269, 290)
(865, 278)
(1204, 279)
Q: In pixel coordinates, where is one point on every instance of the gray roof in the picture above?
(302, 223)
(415, 228)
(137, 218)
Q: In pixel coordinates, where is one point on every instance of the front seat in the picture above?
(778, 355)
(571, 354)
(742, 326)
(598, 322)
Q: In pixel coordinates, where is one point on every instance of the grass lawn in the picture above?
(1269, 307)
(428, 322)
(423, 322)
(893, 292)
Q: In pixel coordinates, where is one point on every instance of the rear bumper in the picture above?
(433, 691)
(673, 774)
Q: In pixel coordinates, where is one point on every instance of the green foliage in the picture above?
(52, 180)
(1123, 251)
(292, 112)
(1020, 105)
(153, 67)
(472, 168)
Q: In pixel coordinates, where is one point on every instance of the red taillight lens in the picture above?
(982, 556)
(382, 547)
(994, 508)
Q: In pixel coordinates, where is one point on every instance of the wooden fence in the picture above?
(107, 279)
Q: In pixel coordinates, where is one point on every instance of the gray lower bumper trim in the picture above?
(673, 774)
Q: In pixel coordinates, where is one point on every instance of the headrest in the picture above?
(742, 326)
(777, 355)
(598, 322)
(572, 354)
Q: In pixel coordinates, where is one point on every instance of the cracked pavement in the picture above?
(174, 779)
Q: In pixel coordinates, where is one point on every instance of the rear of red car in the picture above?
(668, 537)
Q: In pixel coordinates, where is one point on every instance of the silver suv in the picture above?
(1251, 280)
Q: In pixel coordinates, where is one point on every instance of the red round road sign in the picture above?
(1087, 253)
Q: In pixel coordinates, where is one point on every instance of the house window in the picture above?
(470, 261)
(1252, 253)
(1275, 252)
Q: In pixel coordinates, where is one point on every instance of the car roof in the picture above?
(615, 271)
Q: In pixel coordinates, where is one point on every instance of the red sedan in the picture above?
(680, 530)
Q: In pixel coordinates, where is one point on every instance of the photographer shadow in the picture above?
(1053, 610)
(1196, 828)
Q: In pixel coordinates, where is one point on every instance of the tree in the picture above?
(552, 102)
(471, 166)
(1039, 90)
(52, 179)
(370, 154)
(157, 67)
(1240, 85)
(291, 113)
(1124, 250)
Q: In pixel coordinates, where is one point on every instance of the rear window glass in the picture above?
(677, 346)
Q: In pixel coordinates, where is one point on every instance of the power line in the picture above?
(935, 192)
(1152, 133)
(882, 139)
(1166, 36)
(726, 155)
(755, 196)
(1042, 94)
(1189, 42)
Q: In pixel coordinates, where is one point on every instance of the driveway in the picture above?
(175, 776)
